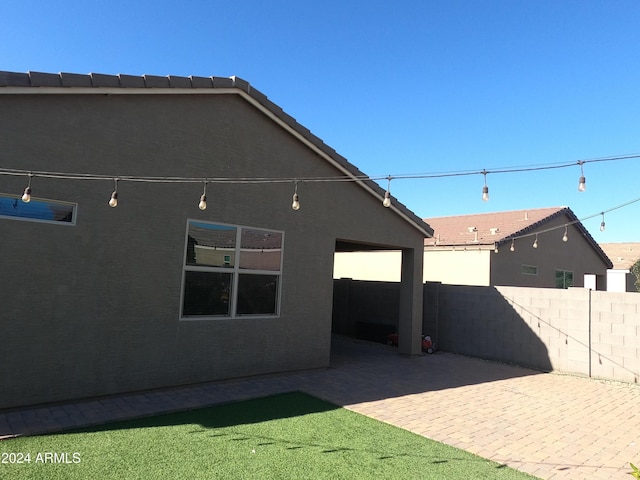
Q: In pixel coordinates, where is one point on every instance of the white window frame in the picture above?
(235, 272)
(73, 206)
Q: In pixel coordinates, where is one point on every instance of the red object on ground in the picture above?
(427, 344)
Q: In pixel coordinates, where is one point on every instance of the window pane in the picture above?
(211, 245)
(568, 279)
(529, 270)
(46, 210)
(206, 293)
(260, 250)
(257, 294)
(564, 279)
(559, 279)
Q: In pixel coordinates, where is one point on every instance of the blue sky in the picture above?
(397, 87)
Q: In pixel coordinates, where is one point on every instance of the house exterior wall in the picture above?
(576, 255)
(620, 281)
(458, 267)
(381, 266)
(453, 267)
(480, 265)
(617, 280)
(93, 309)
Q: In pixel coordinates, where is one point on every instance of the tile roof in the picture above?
(160, 84)
(40, 79)
(487, 228)
(499, 227)
(623, 255)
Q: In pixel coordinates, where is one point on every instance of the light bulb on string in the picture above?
(26, 196)
(387, 195)
(513, 245)
(602, 225)
(203, 198)
(295, 204)
(113, 201)
(485, 189)
(565, 237)
(495, 248)
(582, 182)
(535, 242)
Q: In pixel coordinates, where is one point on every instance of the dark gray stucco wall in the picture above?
(93, 309)
(576, 255)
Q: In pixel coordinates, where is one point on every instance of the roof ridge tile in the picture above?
(131, 81)
(39, 79)
(179, 81)
(104, 80)
(156, 81)
(201, 82)
(75, 80)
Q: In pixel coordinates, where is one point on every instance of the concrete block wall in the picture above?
(615, 336)
(559, 319)
(482, 322)
(576, 331)
(364, 309)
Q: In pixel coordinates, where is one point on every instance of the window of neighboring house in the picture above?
(37, 210)
(564, 279)
(529, 270)
(231, 271)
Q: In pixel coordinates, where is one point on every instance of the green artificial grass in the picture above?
(289, 436)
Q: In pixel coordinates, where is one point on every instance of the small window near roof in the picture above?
(37, 210)
(529, 270)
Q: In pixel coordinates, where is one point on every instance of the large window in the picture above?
(231, 271)
(37, 210)
(564, 279)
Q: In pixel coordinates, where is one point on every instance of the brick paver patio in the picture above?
(552, 426)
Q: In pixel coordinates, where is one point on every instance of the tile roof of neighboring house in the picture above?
(623, 255)
(79, 83)
(500, 227)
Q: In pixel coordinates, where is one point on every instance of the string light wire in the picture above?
(337, 179)
(581, 220)
(258, 180)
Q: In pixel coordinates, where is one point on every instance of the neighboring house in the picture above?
(157, 292)
(476, 250)
(544, 247)
(624, 256)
